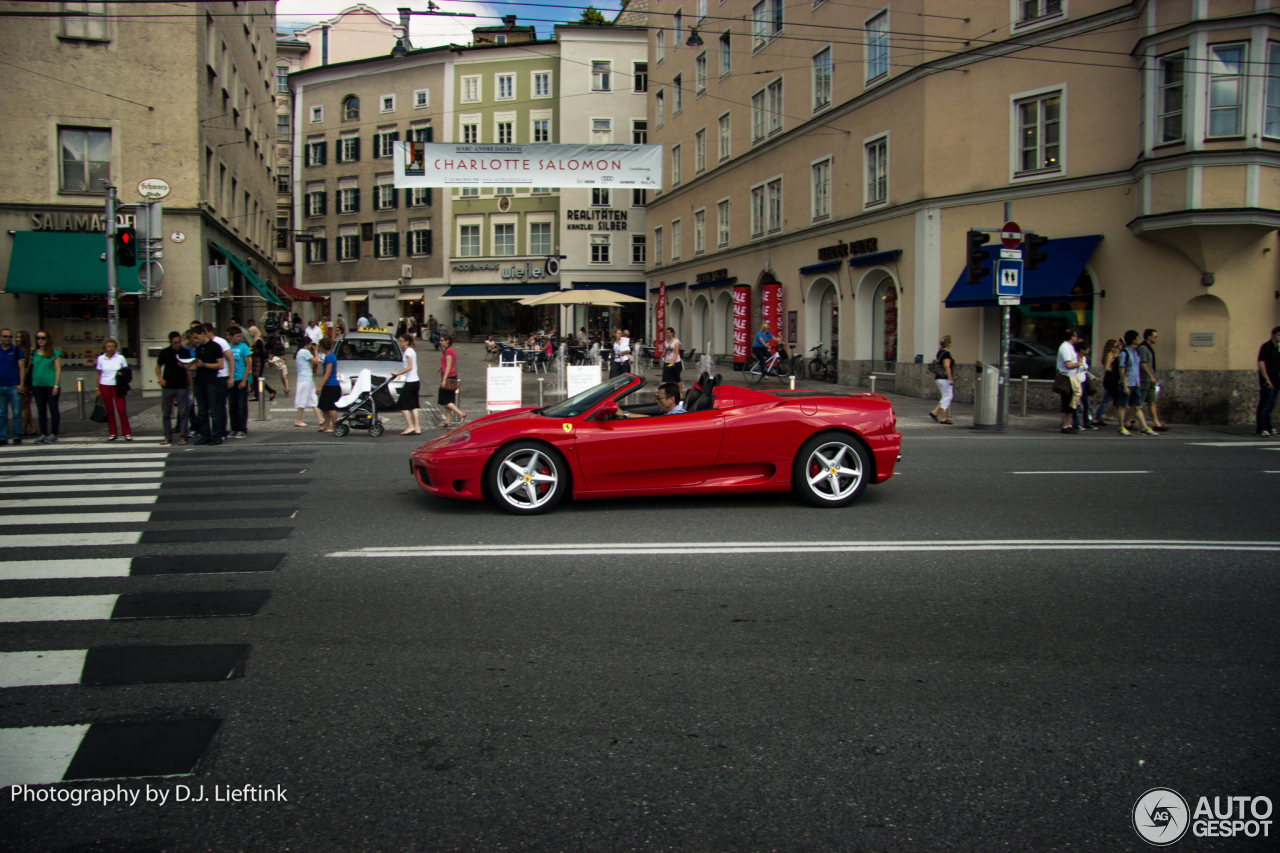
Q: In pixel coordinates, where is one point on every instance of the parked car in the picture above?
(1031, 358)
(378, 352)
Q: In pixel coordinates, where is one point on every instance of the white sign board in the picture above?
(452, 164)
(503, 389)
(581, 377)
(153, 188)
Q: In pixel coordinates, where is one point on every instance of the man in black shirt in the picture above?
(208, 361)
(1268, 382)
(174, 381)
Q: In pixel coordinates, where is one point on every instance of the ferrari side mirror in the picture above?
(608, 409)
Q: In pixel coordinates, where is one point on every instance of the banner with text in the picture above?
(449, 164)
(741, 323)
(660, 313)
(771, 308)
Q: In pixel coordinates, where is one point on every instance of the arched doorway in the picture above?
(700, 330)
(821, 321)
(1207, 318)
(675, 317)
(722, 325)
(884, 326)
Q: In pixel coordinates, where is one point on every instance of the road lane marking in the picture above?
(102, 487)
(128, 664)
(53, 503)
(1241, 443)
(97, 457)
(25, 467)
(122, 567)
(82, 444)
(79, 477)
(1080, 472)
(77, 518)
(117, 567)
(57, 608)
(31, 669)
(718, 548)
(38, 756)
(65, 540)
(137, 749)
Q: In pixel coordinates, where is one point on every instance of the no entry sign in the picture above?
(1011, 235)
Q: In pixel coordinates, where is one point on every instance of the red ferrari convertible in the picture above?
(600, 444)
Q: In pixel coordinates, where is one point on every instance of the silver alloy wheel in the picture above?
(834, 471)
(528, 478)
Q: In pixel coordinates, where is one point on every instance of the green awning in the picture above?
(250, 276)
(63, 262)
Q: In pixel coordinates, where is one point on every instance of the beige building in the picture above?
(371, 247)
(847, 155)
(93, 99)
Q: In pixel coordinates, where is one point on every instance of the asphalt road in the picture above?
(929, 669)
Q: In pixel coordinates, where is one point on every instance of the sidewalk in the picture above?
(913, 412)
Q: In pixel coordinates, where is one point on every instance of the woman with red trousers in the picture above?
(114, 376)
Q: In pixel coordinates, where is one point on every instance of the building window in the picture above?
(421, 99)
(600, 76)
(639, 131)
(86, 159)
(351, 109)
(386, 244)
(757, 116)
(822, 79)
(601, 131)
(757, 211)
(676, 164)
(1271, 125)
(420, 241)
(541, 130)
(1035, 10)
(699, 232)
(1039, 126)
(542, 84)
(639, 197)
(283, 182)
(383, 142)
(470, 192)
(726, 55)
(471, 134)
(471, 89)
(1226, 89)
(677, 28)
(1171, 100)
(420, 197)
(420, 134)
(722, 222)
(504, 238)
(599, 197)
(469, 242)
(282, 79)
(657, 247)
(316, 203)
(775, 106)
(349, 200)
(640, 77)
(349, 149)
(677, 94)
(877, 46)
(600, 249)
(85, 21)
(661, 45)
(540, 238)
(388, 103)
(505, 86)
(821, 174)
(675, 240)
(637, 249)
(315, 153)
(877, 156)
(384, 195)
(317, 249)
(284, 128)
(700, 151)
(659, 108)
(348, 247)
(775, 204)
(541, 190)
(723, 131)
(317, 114)
(504, 190)
(766, 22)
(700, 73)
(506, 132)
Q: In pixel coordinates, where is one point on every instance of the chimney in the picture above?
(509, 20)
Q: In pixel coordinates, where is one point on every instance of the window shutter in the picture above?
(322, 249)
(393, 136)
(427, 241)
(355, 153)
(427, 202)
(324, 150)
(324, 203)
(357, 207)
(427, 135)
(395, 198)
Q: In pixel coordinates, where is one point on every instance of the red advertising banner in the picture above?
(771, 308)
(660, 314)
(741, 323)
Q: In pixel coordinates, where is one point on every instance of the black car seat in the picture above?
(707, 400)
(695, 393)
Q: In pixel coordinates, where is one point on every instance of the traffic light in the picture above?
(977, 255)
(1031, 254)
(126, 247)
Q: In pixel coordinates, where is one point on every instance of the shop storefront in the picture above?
(485, 296)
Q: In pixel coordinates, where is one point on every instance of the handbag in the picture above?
(451, 383)
(1091, 386)
(937, 370)
(99, 414)
(1062, 384)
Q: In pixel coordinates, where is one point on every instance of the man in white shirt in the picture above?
(1068, 364)
(313, 332)
(219, 418)
(362, 322)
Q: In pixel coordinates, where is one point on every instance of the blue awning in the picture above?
(1052, 282)
(813, 269)
(497, 291)
(626, 288)
(877, 258)
(669, 287)
(720, 282)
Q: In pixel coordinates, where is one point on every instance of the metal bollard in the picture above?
(262, 399)
(793, 382)
(1026, 380)
(80, 394)
(540, 381)
(873, 383)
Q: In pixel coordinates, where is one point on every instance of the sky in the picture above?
(427, 31)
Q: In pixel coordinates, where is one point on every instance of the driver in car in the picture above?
(384, 353)
(668, 399)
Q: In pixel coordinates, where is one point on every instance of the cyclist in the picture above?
(764, 340)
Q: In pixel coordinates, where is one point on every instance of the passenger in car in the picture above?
(668, 399)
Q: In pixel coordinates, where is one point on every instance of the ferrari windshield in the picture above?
(588, 399)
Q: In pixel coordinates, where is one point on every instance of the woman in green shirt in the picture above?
(46, 374)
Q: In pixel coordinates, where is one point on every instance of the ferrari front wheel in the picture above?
(831, 469)
(527, 478)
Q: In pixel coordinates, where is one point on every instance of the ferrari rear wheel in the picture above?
(831, 469)
(753, 372)
(527, 478)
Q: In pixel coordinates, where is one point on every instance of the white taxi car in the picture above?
(375, 350)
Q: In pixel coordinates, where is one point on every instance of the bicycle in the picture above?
(775, 365)
(820, 366)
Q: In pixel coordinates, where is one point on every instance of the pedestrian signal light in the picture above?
(1031, 254)
(977, 255)
(126, 247)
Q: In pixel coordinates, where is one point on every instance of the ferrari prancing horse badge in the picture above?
(567, 427)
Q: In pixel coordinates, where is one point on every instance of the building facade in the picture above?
(847, 159)
(203, 127)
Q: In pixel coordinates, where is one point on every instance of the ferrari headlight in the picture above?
(451, 440)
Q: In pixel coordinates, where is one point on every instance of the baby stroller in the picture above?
(360, 407)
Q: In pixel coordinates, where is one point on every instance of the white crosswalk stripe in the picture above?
(38, 755)
(24, 466)
(106, 567)
(101, 487)
(96, 457)
(67, 540)
(28, 669)
(57, 608)
(72, 503)
(76, 518)
(79, 477)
